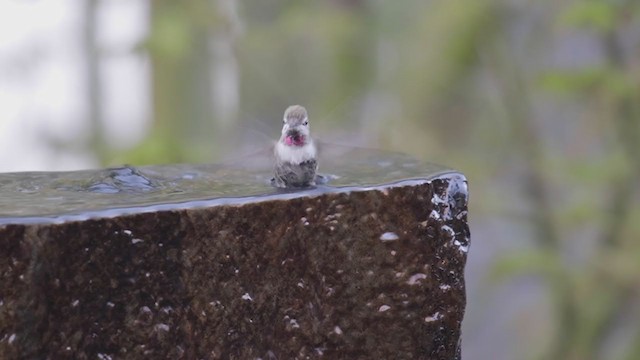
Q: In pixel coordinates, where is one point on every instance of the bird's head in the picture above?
(295, 131)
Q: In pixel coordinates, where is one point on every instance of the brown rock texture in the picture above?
(368, 273)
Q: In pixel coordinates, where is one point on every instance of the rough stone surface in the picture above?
(375, 273)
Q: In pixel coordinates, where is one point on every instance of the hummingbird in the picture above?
(295, 153)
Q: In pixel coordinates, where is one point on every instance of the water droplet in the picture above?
(434, 317)
(415, 278)
(389, 236)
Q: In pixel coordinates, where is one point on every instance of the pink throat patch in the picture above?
(295, 140)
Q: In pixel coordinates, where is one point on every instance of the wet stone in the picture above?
(211, 262)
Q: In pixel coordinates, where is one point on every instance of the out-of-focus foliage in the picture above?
(538, 102)
(595, 182)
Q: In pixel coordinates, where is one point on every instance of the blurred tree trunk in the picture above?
(93, 84)
(225, 77)
(180, 90)
(377, 102)
(626, 116)
(195, 77)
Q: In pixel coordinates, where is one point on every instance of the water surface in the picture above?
(60, 196)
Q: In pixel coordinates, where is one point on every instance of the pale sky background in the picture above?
(42, 89)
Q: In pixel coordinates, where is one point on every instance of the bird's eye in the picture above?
(305, 123)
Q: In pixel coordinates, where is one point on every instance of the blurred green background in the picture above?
(536, 102)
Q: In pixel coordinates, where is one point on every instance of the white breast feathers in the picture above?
(295, 154)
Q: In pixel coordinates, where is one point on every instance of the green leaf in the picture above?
(592, 14)
(614, 82)
(540, 262)
(572, 81)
